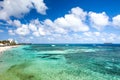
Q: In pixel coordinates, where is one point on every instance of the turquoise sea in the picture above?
(61, 62)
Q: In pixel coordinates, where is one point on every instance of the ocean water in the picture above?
(61, 62)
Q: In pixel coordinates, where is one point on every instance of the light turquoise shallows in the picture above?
(61, 62)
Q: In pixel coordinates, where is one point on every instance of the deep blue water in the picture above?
(61, 62)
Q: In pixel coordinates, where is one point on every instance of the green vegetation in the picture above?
(8, 42)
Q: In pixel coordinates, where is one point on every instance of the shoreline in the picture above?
(4, 48)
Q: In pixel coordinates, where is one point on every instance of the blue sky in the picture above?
(60, 21)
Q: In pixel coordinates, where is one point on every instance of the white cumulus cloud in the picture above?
(72, 28)
(36, 34)
(98, 20)
(116, 21)
(32, 27)
(73, 21)
(18, 8)
(11, 32)
(77, 11)
(23, 30)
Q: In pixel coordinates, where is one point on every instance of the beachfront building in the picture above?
(7, 42)
(12, 41)
(1, 44)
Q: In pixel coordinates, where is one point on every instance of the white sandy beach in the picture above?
(4, 48)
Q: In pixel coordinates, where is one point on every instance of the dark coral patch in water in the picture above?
(48, 56)
(18, 70)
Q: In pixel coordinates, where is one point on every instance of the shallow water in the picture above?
(61, 62)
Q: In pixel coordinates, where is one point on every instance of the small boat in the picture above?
(107, 43)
